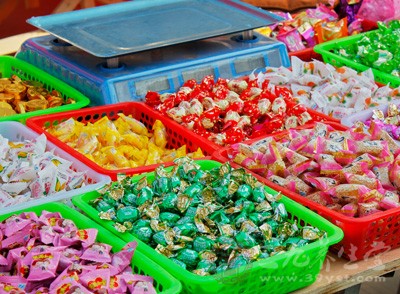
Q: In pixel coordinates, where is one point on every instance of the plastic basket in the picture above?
(325, 50)
(265, 276)
(365, 115)
(307, 54)
(363, 237)
(163, 282)
(15, 131)
(177, 135)
(11, 66)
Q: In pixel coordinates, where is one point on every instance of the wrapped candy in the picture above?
(43, 265)
(235, 110)
(120, 144)
(337, 92)
(344, 170)
(205, 221)
(31, 172)
(377, 49)
(21, 96)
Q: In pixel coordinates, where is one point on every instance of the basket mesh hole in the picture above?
(96, 116)
(88, 117)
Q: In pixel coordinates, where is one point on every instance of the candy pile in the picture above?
(229, 111)
(123, 143)
(206, 221)
(17, 96)
(337, 92)
(347, 171)
(49, 254)
(307, 28)
(378, 49)
(28, 171)
(389, 122)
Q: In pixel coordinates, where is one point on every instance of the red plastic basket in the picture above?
(307, 54)
(177, 135)
(363, 237)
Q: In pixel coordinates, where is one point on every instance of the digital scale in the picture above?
(118, 52)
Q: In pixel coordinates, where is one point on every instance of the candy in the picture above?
(307, 25)
(343, 170)
(337, 92)
(216, 219)
(119, 144)
(28, 172)
(41, 265)
(378, 49)
(249, 110)
(21, 96)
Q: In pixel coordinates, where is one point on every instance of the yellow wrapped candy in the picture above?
(160, 134)
(67, 131)
(136, 140)
(136, 126)
(87, 143)
(197, 154)
(154, 155)
(122, 143)
(116, 157)
(172, 154)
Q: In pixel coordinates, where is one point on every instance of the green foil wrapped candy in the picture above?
(188, 257)
(185, 220)
(143, 233)
(244, 240)
(201, 243)
(222, 267)
(146, 194)
(187, 229)
(178, 262)
(169, 217)
(238, 261)
(127, 213)
(244, 191)
(169, 201)
(141, 223)
(103, 205)
(226, 243)
(205, 268)
(129, 199)
(161, 185)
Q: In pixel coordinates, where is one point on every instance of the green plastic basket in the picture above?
(12, 66)
(329, 57)
(163, 281)
(281, 273)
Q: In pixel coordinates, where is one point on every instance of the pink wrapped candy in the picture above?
(49, 254)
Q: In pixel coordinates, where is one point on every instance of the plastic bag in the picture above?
(379, 10)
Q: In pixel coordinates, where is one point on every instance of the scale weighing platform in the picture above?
(118, 52)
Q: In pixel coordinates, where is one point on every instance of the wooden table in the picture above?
(339, 274)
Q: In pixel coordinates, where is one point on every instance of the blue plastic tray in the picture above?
(118, 29)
